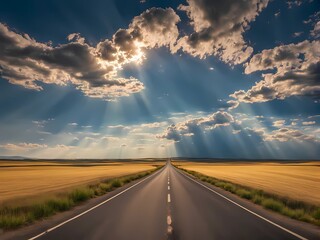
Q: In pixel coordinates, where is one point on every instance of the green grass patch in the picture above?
(272, 204)
(61, 204)
(244, 193)
(12, 217)
(116, 183)
(12, 221)
(81, 194)
(286, 206)
(316, 213)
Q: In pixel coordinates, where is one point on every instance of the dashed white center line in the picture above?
(169, 220)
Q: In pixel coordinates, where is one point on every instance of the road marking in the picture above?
(169, 222)
(246, 209)
(169, 219)
(92, 208)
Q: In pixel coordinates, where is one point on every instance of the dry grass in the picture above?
(289, 207)
(26, 212)
(21, 180)
(299, 181)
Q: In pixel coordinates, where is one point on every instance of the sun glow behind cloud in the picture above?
(168, 84)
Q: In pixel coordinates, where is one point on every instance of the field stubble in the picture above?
(48, 189)
(289, 189)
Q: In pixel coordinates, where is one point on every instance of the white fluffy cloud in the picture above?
(297, 72)
(315, 32)
(278, 123)
(244, 125)
(218, 28)
(92, 69)
(289, 134)
(22, 146)
(307, 123)
(186, 128)
(232, 104)
(283, 134)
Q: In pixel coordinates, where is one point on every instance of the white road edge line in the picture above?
(256, 214)
(168, 187)
(169, 199)
(92, 208)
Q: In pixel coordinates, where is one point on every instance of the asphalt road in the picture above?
(170, 205)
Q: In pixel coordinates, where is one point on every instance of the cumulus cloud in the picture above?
(293, 3)
(22, 146)
(91, 69)
(232, 104)
(315, 32)
(120, 127)
(40, 123)
(282, 134)
(297, 72)
(218, 28)
(289, 134)
(278, 123)
(156, 27)
(153, 125)
(36, 149)
(25, 62)
(186, 128)
(297, 34)
(296, 3)
(307, 123)
(195, 127)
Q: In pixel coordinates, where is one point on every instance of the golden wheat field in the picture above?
(300, 181)
(20, 180)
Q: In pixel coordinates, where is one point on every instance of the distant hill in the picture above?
(13, 158)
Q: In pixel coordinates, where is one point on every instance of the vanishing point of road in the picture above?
(171, 205)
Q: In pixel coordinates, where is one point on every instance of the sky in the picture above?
(137, 79)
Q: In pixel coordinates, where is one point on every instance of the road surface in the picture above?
(171, 205)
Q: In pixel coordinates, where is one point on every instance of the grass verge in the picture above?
(12, 217)
(291, 208)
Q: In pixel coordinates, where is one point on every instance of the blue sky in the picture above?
(130, 79)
